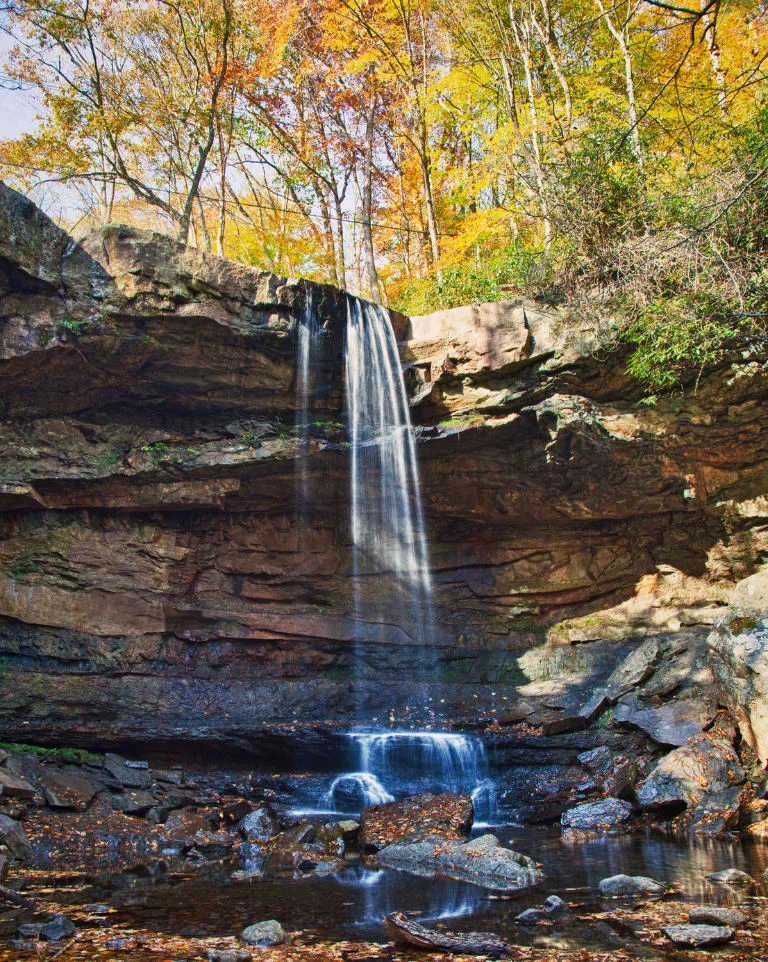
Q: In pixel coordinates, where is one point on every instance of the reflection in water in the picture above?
(381, 892)
(352, 903)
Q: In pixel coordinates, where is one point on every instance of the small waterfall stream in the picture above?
(395, 764)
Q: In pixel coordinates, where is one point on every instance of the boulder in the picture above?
(556, 908)
(629, 886)
(126, 774)
(605, 816)
(730, 876)
(698, 936)
(306, 848)
(483, 861)
(184, 823)
(597, 760)
(634, 670)
(14, 787)
(227, 955)
(715, 915)
(14, 837)
(716, 814)
(414, 819)
(59, 927)
(259, 825)
(738, 657)
(672, 724)
(270, 932)
(65, 790)
(707, 765)
(532, 916)
(133, 802)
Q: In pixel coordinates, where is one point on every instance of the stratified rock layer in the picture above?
(158, 586)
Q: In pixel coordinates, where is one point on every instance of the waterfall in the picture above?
(308, 332)
(395, 764)
(392, 581)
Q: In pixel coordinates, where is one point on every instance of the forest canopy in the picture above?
(427, 153)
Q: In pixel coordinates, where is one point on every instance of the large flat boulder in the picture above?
(66, 790)
(483, 861)
(414, 819)
(674, 723)
(12, 835)
(707, 765)
(606, 816)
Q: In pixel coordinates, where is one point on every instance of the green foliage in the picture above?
(458, 420)
(251, 438)
(157, 449)
(43, 337)
(71, 327)
(478, 280)
(76, 756)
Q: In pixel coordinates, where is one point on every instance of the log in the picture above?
(9, 895)
(403, 929)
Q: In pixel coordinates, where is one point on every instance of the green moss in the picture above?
(737, 625)
(25, 566)
(459, 420)
(71, 755)
(605, 720)
(69, 326)
(111, 458)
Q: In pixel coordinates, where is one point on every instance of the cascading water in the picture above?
(395, 764)
(309, 332)
(392, 589)
(392, 581)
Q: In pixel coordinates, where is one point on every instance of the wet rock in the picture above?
(605, 816)
(13, 787)
(259, 825)
(170, 777)
(3, 866)
(698, 936)
(705, 766)
(716, 814)
(305, 848)
(483, 861)
(350, 830)
(562, 724)
(65, 790)
(60, 927)
(236, 811)
(730, 876)
(598, 760)
(126, 774)
(531, 917)
(14, 837)
(183, 824)
(628, 886)
(715, 915)
(415, 818)
(97, 908)
(30, 930)
(227, 955)
(133, 802)
(264, 933)
(556, 908)
(672, 724)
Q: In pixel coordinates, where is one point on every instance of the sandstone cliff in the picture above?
(158, 586)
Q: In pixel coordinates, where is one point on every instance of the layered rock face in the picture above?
(158, 585)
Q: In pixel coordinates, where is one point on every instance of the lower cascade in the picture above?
(395, 764)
